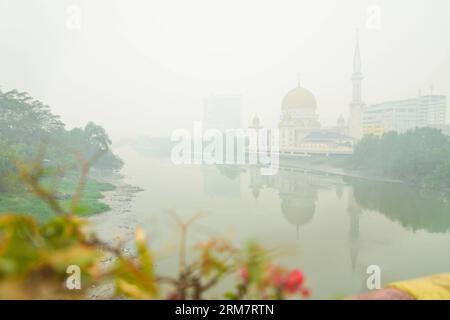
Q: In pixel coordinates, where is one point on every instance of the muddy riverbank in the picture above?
(116, 226)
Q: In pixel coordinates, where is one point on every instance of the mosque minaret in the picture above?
(357, 104)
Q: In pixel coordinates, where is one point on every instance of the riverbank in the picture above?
(91, 203)
(116, 226)
(323, 165)
(337, 167)
(118, 222)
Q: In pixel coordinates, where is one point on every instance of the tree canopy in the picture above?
(25, 123)
(421, 156)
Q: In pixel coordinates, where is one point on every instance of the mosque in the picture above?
(299, 127)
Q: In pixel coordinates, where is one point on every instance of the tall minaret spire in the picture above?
(357, 104)
(357, 59)
(357, 75)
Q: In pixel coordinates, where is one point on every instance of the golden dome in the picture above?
(299, 98)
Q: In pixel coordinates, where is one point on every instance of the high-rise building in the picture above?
(403, 115)
(431, 110)
(222, 112)
(357, 103)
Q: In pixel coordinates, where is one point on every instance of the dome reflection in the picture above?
(297, 191)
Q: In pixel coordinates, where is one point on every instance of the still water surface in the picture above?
(331, 227)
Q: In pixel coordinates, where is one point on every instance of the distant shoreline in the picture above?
(327, 168)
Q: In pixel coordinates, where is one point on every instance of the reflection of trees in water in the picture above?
(414, 209)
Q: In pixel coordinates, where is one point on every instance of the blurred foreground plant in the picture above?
(259, 278)
(34, 258)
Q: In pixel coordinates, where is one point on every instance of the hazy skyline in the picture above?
(144, 67)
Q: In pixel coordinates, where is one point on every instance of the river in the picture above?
(333, 228)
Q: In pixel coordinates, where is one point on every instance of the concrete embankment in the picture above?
(308, 165)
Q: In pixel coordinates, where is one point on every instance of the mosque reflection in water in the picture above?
(298, 192)
(412, 208)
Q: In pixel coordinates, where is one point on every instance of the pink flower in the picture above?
(277, 277)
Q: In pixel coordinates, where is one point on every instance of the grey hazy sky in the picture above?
(143, 67)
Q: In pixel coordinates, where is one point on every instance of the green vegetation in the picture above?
(420, 156)
(89, 204)
(27, 128)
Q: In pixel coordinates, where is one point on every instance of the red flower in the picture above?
(173, 296)
(294, 281)
(243, 273)
(306, 293)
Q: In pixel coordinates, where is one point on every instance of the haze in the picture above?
(144, 67)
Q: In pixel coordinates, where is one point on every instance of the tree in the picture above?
(420, 156)
(29, 122)
(97, 137)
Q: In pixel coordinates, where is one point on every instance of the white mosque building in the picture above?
(300, 129)
(298, 117)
